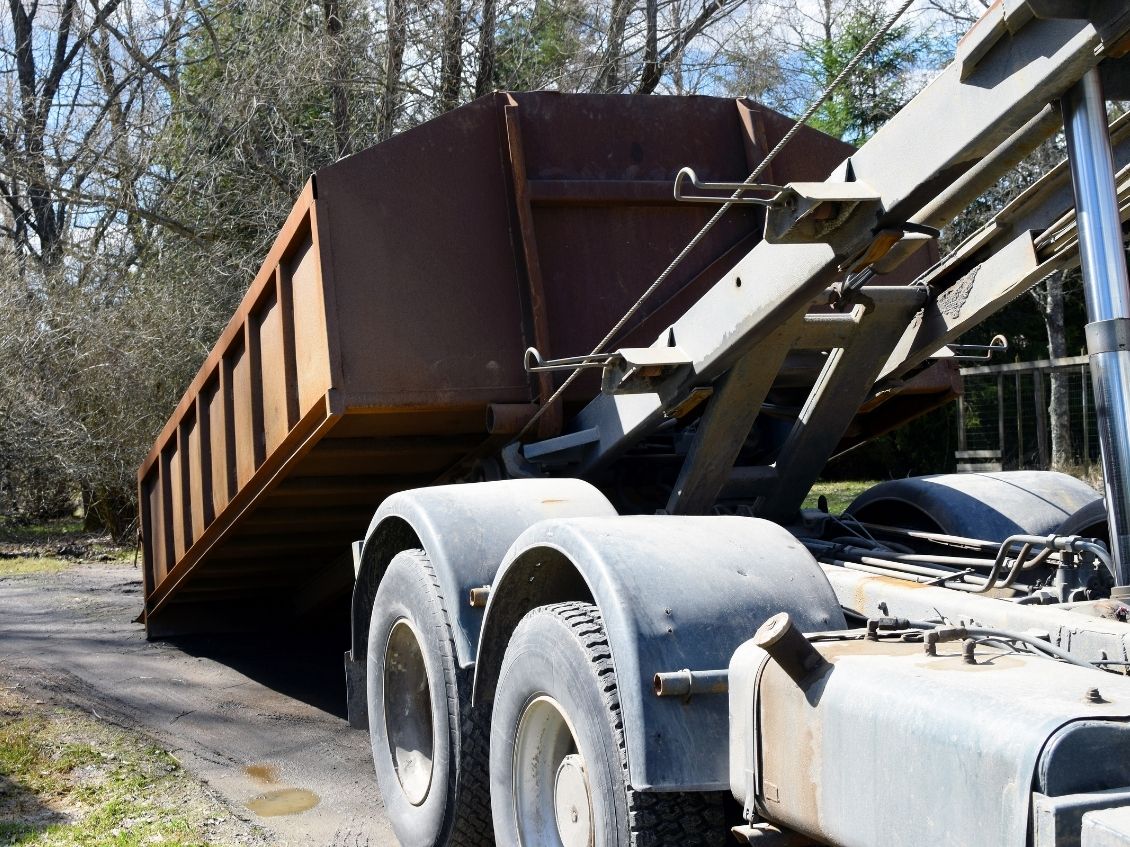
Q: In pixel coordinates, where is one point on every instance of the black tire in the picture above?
(454, 808)
(560, 652)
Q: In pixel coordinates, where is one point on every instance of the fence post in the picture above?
(1085, 376)
(1019, 427)
(1041, 418)
(1000, 416)
(960, 422)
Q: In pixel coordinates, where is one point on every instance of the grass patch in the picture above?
(840, 494)
(68, 780)
(24, 565)
(42, 532)
(50, 546)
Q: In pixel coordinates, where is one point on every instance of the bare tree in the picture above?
(1050, 297)
(343, 140)
(484, 78)
(396, 12)
(38, 170)
(149, 151)
(451, 63)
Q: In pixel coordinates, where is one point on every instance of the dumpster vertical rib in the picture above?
(550, 423)
(255, 379)
(286, 314)
(203, 442)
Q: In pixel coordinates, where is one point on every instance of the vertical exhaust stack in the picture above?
(1107, 292)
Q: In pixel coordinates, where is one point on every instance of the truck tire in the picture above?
(558, 760)
(429, 748)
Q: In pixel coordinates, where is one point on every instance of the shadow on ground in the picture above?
(300, 659)
(22, 814)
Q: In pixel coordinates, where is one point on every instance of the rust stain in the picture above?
(833, 650)
(984, 663)
(894, 581)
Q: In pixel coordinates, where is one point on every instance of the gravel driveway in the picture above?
(258, 718)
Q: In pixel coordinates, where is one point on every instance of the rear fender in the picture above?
(675, 593)
(465, 531)
(989, 506)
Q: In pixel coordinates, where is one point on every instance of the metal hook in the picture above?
(533, 362)
(999, 344)
(738, 187)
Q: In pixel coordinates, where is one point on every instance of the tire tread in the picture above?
(655, 819)
(469, 823)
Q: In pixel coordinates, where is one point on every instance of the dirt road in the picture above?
(260, 719)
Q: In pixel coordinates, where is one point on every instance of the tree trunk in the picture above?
(111, 511)
(451, 63)
(608, 78)
(396, 14)
(484, 80)
(1059, 411)
(652, 72)
(343, 141)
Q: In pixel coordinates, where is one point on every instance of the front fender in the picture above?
(674, 592)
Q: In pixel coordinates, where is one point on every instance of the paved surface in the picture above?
(249, 716)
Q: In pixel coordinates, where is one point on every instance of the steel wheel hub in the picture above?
(408, 711)
(572, 804)
(551, 790)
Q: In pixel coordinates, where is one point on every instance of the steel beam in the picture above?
(1004, 258)
(724, 427)
(839, 391)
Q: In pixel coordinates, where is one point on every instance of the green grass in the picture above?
(840, 494)
(68, 780)
(39, 533)
(25, 565)
(35, 548)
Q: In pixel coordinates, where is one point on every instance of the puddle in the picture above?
(263, 773)
(281, 801)
(284, 801)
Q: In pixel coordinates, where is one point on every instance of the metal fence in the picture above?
(1003, 419)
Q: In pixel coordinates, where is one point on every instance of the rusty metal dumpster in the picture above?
(380, 345)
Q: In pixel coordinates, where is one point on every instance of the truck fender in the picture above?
(465, 531)
(989, 506)
(674, 593)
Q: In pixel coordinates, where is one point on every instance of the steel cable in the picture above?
(849, 68)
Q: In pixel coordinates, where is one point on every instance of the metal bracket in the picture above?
(634, 370)
(808, 211)
(950, 577)
(560, 450)
(1109, 336)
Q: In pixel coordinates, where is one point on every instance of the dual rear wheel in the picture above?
(429, 751)
(556, 764)
(558, 756)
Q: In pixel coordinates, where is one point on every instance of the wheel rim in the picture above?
(551, 790)
(408, 711)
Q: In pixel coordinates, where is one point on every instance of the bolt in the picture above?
(1093, 696)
